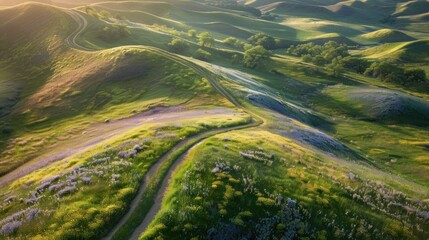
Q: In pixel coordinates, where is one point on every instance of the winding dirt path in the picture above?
(156, 207)
(165, 183)
(71, 41)
(82, 25)
(100, 132)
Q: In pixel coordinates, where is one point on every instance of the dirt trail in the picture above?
(156, 207)
(100, 132)
(165, 183)
(71, 41)
(82, 25)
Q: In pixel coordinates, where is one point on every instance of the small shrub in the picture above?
(178, 45)
(203, 55)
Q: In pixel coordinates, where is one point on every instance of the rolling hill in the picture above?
(414, 51)
(137, 120)
(387, 35)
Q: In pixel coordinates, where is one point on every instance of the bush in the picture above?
(255, 56)
(415, 76)
(178, 45)
(7, 130)
(387, 72)
(234, 42)
(263, 40)
(358, 65)
(113, 33)
(329, 51)
(192, 33)
(203, 55)
(205, 39)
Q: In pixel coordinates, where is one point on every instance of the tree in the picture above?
(234, 42)
(255, 56)
(203, 55)
(386, 72)
(328, 51)
(192, 33)
(113, 33)
(335, 68)
(205, 39)
(415, 75)
(307, 58)
(359, 65)
(178, 45)
(263, 40)
(319, 60)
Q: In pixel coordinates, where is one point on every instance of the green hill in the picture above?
(412, 8)
(65, 84)
(295, 9)
(225, 29)
(321, 39)
(387, 35)
(414, 51)
(161, 119)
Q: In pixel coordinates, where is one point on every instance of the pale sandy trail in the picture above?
(100, 132)
(156, 207)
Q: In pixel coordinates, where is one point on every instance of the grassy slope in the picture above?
(75, 89)
(414, 51)
(387, 35)
(243, 191)
(80, 90)
(389, 149)
(92, 209)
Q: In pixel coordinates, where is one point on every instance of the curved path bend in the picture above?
(82, 25)
(71, 40)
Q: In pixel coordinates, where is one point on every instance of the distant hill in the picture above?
(321, 39)
(387, 36)
(412, 8)
(414, 51)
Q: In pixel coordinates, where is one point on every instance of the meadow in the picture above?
(214, 119)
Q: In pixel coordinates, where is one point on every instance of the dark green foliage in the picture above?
(178, 45)
(203, 55)
(192, 33)
(319, 60)
(321, 55)
(234, 42)
(392, 73)
(255, 56)
(113, 33)
(7, 130)
(415, 75)
(358, 65)
(386, 72)
(263, 40)
(205, 39)
(335, 67)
